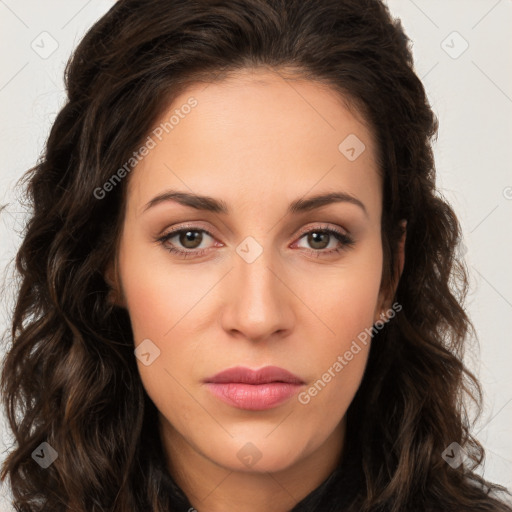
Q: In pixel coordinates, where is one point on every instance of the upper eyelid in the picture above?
(177, 230)
(322, 227)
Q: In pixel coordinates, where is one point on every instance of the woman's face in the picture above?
(260, 282)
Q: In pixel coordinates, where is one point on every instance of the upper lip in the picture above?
(264, 375)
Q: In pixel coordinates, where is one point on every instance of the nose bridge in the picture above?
(258, 305)
(253, 270)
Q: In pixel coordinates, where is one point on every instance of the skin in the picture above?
(256, 141)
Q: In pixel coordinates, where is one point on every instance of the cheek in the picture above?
(338, 362)
(345, 301)
(325, 401)
(160, 308)
(157, 295)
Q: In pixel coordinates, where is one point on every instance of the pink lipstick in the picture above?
(254, 390)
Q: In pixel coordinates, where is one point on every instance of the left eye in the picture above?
(320, 238)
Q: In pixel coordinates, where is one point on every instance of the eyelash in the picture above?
(345, 240)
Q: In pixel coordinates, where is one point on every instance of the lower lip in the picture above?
(254, 397)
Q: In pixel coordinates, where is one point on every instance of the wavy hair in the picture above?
(69, 375)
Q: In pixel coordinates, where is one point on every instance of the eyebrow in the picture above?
(210, 204)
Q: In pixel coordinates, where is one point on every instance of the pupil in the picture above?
(314, 239)
(190, 236)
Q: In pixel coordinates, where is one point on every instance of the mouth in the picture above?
(254, 390)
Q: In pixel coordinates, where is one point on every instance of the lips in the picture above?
(264, 375)
(254, 389)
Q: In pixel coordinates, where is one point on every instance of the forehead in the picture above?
(254, 134)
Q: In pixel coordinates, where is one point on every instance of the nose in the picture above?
(259, 304)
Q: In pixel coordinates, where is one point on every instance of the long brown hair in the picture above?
(70, 378)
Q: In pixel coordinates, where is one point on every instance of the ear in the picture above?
(111, 276)
(387, 295)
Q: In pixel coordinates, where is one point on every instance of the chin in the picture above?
(257, 456)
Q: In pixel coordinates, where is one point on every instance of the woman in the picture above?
(240, 289)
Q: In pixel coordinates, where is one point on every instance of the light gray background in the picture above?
(471, 95)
